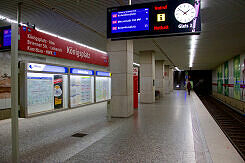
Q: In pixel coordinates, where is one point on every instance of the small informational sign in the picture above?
(163, 18)
(58, 91)
(186, 75)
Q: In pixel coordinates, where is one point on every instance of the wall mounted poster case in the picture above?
(58, 91)
(155, 19)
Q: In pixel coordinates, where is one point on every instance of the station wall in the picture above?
(5, 74)
(228, 82)
(5, 87)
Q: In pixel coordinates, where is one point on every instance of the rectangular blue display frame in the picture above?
(81, 71)
(6, 37)
(102, 73)
(130, 20)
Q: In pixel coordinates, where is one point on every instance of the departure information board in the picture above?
(5, 38)
(164, 18)
(131, 20)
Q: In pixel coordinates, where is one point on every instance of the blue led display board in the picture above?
(5, 38)
(46, 68)
(81, 71)
(131, 20)
(155, 19)
(101, 73)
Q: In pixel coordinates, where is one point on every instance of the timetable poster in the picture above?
(82, 88)
(103, 88)
(39, 91)
(58, 91)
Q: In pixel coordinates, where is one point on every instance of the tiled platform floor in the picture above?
(177, 128)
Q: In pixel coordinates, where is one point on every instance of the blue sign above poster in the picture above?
(81, 71)
(101, 73)
(46, 68)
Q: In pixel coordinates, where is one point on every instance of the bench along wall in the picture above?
(228, 82)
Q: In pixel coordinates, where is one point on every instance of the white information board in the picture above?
(39, 92)
(103, 88)
(81, 90)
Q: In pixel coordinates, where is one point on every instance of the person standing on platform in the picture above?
(189, 87)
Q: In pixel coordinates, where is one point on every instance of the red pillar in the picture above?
(135, 86)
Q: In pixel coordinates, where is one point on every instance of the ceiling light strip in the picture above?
(193, 46)
(176, 68)
(136, 64)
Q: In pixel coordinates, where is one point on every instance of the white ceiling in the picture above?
(222, 37)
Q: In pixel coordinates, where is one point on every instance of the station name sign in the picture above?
(164, 18)
(37, 42)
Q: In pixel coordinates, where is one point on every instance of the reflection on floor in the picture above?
(166, 131)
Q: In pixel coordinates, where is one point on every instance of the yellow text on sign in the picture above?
(160, 17)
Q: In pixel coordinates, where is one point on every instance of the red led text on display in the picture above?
(159, 28)
(161, 7)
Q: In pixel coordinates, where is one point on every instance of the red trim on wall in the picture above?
(230, 85)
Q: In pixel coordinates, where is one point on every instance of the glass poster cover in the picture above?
(39, 92)
(103, 88)
(81, 90)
